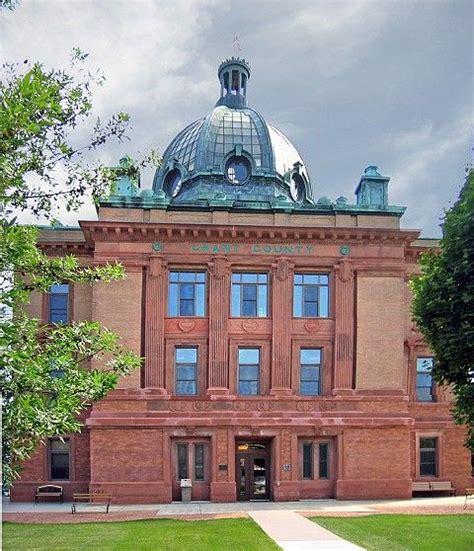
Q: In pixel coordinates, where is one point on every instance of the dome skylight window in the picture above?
(237, 170)
(173, 183)
(297, 187)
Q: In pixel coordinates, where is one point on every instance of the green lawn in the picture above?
(405, 532)
(240, 534)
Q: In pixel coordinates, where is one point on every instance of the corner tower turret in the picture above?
(234, 74)
(372, 188)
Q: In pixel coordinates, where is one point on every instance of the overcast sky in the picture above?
(350, 83)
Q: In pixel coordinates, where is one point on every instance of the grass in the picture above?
(158, 535)
(405, 532)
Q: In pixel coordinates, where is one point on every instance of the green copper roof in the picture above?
(197, 160)
(232, 159)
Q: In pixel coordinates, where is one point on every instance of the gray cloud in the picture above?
(351, 83)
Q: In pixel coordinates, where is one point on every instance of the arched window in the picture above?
(235, 82)
(244, 84)
(226, 83)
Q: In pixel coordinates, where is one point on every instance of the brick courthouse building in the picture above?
(280, 359)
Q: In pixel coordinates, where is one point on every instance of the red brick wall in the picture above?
(376, 464)
(127, 455)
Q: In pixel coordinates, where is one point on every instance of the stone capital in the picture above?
(157, 266)
(282, 268)
(219, 267)
(344, 270)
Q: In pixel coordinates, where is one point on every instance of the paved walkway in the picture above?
(285, 522)
(317, 506)
(293, 532)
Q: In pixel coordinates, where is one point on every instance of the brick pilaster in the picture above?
(219, 291)
(344, 325)
(154, 327)
(281, 335)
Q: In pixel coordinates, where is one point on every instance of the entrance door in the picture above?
(253, 470)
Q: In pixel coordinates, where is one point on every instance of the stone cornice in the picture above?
(413, 252)
(177, 232)
(61, 248)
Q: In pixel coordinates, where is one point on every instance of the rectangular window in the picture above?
(58, 304)
(249, 371)
(187, 294)
(249, 295)
(186, 371)
(311, 296)
(424, 380)
(59, 459)
(324, 460)
(310, 370)
(182, 451)
(199, 461)
(315, 460)
(428, 457)
(308, 461)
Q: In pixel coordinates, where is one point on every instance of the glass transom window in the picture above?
(311, 296)
(249, 295)
(187, 294)
(249, 371)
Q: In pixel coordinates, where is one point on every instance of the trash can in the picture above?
(186, 487)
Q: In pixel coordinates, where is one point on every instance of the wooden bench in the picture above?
(439, 486)
(91, 499)
(49, 490)
(420, 487)
(469, 495)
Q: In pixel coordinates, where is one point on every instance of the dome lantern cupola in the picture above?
(234, 74)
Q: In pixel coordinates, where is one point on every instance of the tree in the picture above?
(443, 305)
(46, 376)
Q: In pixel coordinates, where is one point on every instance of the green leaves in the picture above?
(37, 272)
(39, 111)
(443, 305)
(47, 380)
(50, 375)
(45, 372)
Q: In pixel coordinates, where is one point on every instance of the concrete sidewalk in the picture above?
(208, 508)
(292, 532)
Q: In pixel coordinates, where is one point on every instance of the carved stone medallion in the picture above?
(312, 326)
(186, 325)
(249, 325)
